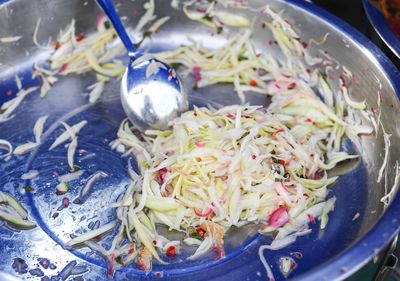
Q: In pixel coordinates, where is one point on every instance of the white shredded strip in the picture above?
(10, 39)
(71, 176)
(30, 175)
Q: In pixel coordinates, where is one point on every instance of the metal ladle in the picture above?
(151, 92)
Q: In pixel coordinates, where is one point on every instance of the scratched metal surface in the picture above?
(357, 191)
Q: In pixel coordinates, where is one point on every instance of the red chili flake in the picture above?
(57, 45)
(263, 25)
(141, 265)
(196, 69)
(270, 42)
(277, 132)
(162, 174)
(9, 93)
(63, 67)
(159, 274)
(97, 238)
(200, 10)
(253, 157)
(373, 110)
(297, 255)
(200, 232)
(194, 113)
(306, 195)
(199, 144)
(311, 218)
(65, 202)
(309, 120)
(131, 251)
(197, 78)
(291, 86)
(230, 116)
(79, 37)
(308, 70)
(282, 162)
(154, 242)
(305, 45)
(253, 83)
(171, 252)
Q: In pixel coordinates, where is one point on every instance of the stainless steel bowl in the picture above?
(374, 74)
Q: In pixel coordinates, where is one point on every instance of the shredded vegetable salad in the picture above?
(215, 168)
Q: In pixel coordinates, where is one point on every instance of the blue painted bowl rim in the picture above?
(382, 27)
(362, 251)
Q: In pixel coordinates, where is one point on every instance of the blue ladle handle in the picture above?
(108, 8)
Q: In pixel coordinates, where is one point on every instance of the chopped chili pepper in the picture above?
(200, 232)
(311, 218)
(63, 67)
(291, 86)
(57, 45)
(230, 116)
(253, 83)
(277, 132)
(111, 265)
(79, 37)
(171, 252)
(65, 202)
(199, 144)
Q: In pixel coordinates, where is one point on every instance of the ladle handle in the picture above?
(108, 8)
